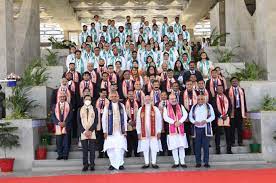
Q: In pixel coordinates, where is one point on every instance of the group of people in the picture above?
(123, 95)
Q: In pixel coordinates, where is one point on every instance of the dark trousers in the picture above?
(187, 127)
(63, 144)
(236, 122)
(227, 131)
(88, 145)
(132, 142)
(100, 141)
(74, 125)
(201, 140)
(164, 143)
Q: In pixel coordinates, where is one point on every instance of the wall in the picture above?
(29, 140)
(268, 128)
(241, 26)
(255, 91)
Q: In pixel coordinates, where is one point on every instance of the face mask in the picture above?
(87, 102)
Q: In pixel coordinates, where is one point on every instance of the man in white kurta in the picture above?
(149, 127)
(115, 143)
(175, 114)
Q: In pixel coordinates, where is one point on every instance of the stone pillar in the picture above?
(222, 28)
(27, 31)
(241, 28)
(191, 31)
(66, 34)
(7, 38)
(266, 37)
(217, 20)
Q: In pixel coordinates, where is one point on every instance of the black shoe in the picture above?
(101, 155)
(92, 168)
(155, 166)
(162, 154)
(137, 155)
(85, 169)
(218, 151)
(65, 157)
(198, 165)
(184, 166)
(169, 153)
(229, 152)
(121, 167)
(128, 155)
(145, 166)
(111, 168)
(175, 166)
(59, 158)
(207, 166)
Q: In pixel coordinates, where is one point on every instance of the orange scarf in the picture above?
(58, 129)
(139, 100)
(169, 83)
(101, 70)
(93, 76)
(112, 77)
(100, 107)
(75, 76)
(223, 106)
(67, 92)
(131, 112)
(212, 89)
(187, 101)
(233, 97)
(90, 86)
(106, 86)
(125, 88)
(152, 122)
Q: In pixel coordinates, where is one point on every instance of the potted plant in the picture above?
(8, 140)
(247, 132)
(41, 151)
(46, 138)
(255, 147)
(19, 103)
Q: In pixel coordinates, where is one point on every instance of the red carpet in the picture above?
(219, 176)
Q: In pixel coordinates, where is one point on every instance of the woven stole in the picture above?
(143, 122)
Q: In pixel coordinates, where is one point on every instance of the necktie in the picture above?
(165, 76)
(138, 96)
(87, 112)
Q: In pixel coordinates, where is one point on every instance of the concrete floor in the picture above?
(135, 170)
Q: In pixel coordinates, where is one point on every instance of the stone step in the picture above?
(136, 163)
(78, 153)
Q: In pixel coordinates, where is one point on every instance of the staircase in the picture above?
(241, 156)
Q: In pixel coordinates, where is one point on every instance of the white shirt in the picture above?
(158, 120)
(70, 59)
(201, 114)
(115, 107)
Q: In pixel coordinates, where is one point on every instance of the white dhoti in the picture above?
(149, 146)
(115, 146)
(177, 141)
(177, 144)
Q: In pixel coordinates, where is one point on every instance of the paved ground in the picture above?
(131, 170)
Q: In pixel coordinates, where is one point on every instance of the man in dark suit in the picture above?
(236, 95)
(192, 70)
(62, 118)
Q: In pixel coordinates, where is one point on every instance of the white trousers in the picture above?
(179, 154)
(116, 157)
(147, 157)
